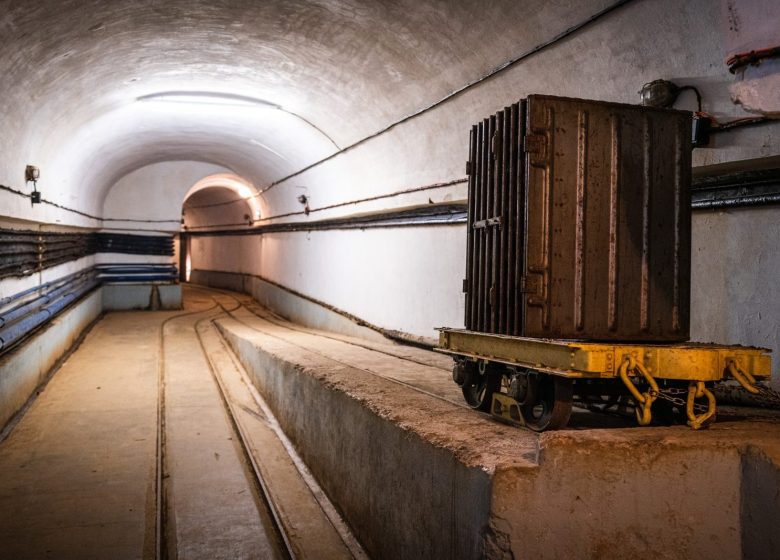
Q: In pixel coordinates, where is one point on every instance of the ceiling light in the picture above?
(208, 98)
(244, 191)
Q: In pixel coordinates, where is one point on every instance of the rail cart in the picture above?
(578, 268)
(533, 382)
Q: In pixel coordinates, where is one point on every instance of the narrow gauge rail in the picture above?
(479, 394)
(278, 323)
(164, 547)
(268, 511)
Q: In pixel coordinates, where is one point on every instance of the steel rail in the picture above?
(261, 487)
(346, 364)
(161, 552)
(289, 326)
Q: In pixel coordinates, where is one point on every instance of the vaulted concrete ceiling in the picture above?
(84, 81)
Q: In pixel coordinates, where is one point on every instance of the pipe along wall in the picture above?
(27, 252)
(39, 305)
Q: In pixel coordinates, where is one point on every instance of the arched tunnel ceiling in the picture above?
(73, 71)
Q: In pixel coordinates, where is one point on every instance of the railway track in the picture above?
(584, 415)
(583, 418)
(280, 323)
(160, 549)
(286, 496)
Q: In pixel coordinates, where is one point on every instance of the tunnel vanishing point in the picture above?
(440, 279)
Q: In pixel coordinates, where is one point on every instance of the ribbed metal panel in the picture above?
(495, 222)
(579, 222)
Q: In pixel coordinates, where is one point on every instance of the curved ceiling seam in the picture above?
(352, 202)
(228, 181)
(236, 97)
(229, 137)
(455, 93)
(496, 70)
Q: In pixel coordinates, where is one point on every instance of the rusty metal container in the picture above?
(579, 221)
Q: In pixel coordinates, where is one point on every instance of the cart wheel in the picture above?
(551, 407)
(480, 384)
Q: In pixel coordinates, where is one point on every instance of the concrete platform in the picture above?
(149, 296)
(417, 475)
(382, 427)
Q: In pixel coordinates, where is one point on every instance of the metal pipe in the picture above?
(14, 333)
(52, 297)
(25, 308)
(9, 299)
(736, 201)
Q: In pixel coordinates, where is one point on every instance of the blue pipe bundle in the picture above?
(23, 319)
(52, 297)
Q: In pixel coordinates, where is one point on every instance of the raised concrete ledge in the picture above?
(284, 302)
(666, 492)
(25, 367)
(417, 477)
(408, 484)
(125, 297)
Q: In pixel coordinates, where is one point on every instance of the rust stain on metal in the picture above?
(646, 186)
(579, 221)
(579, 235)
(614, 181)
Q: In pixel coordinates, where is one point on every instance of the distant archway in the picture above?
(219, 201)
(245, 192)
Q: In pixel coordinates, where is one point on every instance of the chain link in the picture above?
(758, 393)
(669, 395)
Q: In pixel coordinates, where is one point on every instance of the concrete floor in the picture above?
(417, 475)
(80, 469)
(410, 469)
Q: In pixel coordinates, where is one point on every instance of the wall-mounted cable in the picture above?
(455, 93)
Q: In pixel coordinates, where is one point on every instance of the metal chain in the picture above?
(679, 401)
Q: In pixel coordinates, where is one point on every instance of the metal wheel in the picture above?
(480, 384)
(550, 408)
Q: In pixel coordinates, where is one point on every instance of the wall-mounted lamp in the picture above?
(659, 93)
(31, 174)
(303, 199)
(663, 93)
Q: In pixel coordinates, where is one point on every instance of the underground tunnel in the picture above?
(324, 279)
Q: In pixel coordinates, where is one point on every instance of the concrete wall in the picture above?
(286, 303)
(151, 197)
(736, 263)
(25, 368)
(122, 297)
(410, 279)
(330, 75)
(406, 279)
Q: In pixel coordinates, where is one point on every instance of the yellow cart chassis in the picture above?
(694, 363)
